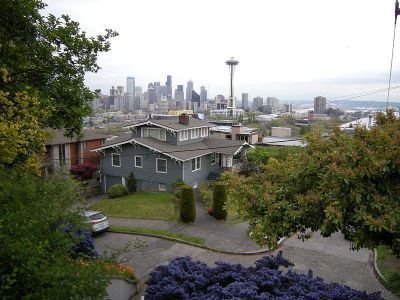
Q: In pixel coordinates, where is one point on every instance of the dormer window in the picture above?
(183, 135)
(194, 133)
(204, 132)
(157, 133)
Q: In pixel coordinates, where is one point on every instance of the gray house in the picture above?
(160, 151)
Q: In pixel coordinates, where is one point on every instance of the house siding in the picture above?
(190, 177)
(147, 177)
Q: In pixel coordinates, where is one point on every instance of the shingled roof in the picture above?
(182, 152)
(57, 137)
(173, 123)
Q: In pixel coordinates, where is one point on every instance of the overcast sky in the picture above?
(294, 50)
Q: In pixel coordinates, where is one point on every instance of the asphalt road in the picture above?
(329, 258)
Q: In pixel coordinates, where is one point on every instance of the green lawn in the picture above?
(389, 266)
(141, 205)
(160, 232)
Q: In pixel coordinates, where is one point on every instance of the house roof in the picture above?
(182, 152)
(57, 137)
(172, 123)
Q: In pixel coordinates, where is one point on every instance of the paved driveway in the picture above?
(329, 258)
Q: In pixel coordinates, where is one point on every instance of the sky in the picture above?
(293, 50)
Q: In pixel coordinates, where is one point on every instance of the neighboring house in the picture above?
(160, 151)
(63, 152)
(235, 133)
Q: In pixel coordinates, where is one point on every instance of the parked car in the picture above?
(97, 220)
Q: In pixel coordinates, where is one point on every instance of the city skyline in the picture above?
(290, 50)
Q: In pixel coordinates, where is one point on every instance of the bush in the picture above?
(188, 208)
(83, 171)
(131, 183)
(117, 190)
(187, 279)
(219, 201)
(206, 194)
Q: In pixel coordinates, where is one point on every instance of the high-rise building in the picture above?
(272, 104)
(189, 90)
(130, 85)
(179, 94)
(319, 105)
(245, 100)
(169, 87)
(152, 93)
(258, 102)
(138, 97)
(203, 96)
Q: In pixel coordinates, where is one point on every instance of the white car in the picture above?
(97, 220)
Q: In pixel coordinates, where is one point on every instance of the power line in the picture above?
(396, 12)
(366, 94)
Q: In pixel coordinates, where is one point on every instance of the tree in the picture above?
(83, 171)
(338, 182)
(131, 183)
(188, 207)
(42, 256)
(43, 62)
(219, 200)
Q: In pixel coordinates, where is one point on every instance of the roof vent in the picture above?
(184, 119)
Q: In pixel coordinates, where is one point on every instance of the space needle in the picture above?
(232, 63)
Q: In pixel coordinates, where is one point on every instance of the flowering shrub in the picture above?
(85, 243)
(210, 211)
(187, 279)
(83, 171)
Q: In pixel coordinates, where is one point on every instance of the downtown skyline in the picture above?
(290, 50)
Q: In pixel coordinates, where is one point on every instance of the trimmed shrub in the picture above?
(219, 201)
(184, 278)
(117, 190)
(188, 207)
(131, 183)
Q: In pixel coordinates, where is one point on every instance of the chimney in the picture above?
(184, 119)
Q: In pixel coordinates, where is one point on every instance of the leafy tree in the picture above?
(345, 180)
(131, 182)
(43, 62)
(219, 200)
(40, 256)
(188, 207)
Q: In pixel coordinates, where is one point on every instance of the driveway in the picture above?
(329, 258)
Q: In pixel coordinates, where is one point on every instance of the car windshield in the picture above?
(97, 216)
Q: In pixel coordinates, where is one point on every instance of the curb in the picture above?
(262, 251)
(376, 269)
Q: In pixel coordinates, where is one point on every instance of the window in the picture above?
(161, 165)
(162, 187)
(138, 162)
(196, 164)
(61, 154)
(204, 132)
(183, 135)
(195, 133)
(115, 160)
(157, 133)
(213, 158)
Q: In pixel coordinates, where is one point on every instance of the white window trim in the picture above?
(141, 160)
(162, 189)
(183, 135)
(215, 158)
(195, 163)
(166, 165)
(112, 160)
(196, 133)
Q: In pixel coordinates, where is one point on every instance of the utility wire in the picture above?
(396, 12)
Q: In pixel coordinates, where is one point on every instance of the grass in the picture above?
(160, 232)
(141, 205)
(389, 266)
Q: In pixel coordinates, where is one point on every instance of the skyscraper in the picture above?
(152, 93)
(179, 94)
(273, 104)
(245, 100)
(203, 97)
(319, 105)
(257, 103)
(189, 90)
(130, 85)
(169, 87)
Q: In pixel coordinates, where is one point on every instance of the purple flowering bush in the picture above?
(184, 278)
(84, 246)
